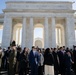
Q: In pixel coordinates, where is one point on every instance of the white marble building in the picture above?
(56, 18)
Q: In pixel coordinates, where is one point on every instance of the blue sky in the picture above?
(2, 3)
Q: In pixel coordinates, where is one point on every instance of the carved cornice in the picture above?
(15, 21)
(41, 11)
(22, 1)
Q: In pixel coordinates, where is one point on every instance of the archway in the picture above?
(60, 40)
(17, 33)
(38, 43)
(38, 33)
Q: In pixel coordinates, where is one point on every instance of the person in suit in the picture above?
(4, 60)
(34, 61)
(68, 62)
(7, 56)
(74, 56)
(56, 61)
(61, 54)
(18, 58)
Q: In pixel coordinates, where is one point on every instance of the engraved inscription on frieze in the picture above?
(37, 6)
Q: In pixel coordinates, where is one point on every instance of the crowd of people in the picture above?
(38, 61)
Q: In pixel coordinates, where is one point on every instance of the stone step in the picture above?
(3, 72)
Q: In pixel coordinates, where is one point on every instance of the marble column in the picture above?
(7, 32)
(14, 34)
(53, 33)
(31, 32)
(70, 32)
(23, 42)
(18, 36)
(46, 36)
(57, 36)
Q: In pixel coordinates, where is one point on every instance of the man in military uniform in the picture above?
(12, 60)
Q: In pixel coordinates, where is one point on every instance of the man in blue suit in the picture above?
(34, 61)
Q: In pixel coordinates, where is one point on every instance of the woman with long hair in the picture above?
(23, 62)
(48, 62)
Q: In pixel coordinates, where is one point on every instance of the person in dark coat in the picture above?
(12, 60)
(56, 61)
(34, 61)
(18, 58)
(7, 55)
(48, 60)
(74, 56)
(1, 54)
(4, 60)
(61, 54)
(48, 56)
(68, 62)
(23, 61)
